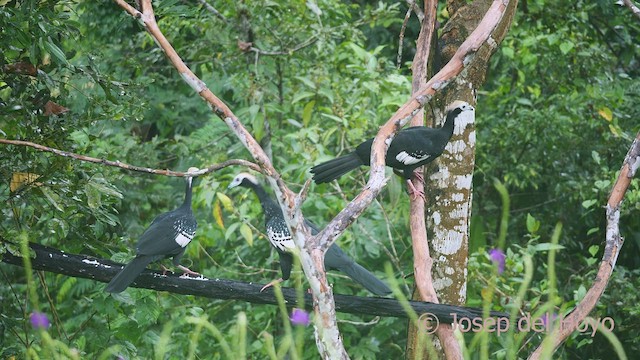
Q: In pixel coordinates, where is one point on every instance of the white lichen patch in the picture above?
(458, 197)
(199, 277)
(462, 294)
(436, 217)
(442, 283)
(456, 146)
(464, 181)
(448, 242)
(448, 270)
(195, 83)
(461, 211)
(440, 175)
(472, 138)
(90, 262)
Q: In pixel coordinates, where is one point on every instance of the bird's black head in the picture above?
(243, 179)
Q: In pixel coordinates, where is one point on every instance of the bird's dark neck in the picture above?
(187, 195)
(269, 206)
(449, 123)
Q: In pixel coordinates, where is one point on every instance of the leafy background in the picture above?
(554, 122)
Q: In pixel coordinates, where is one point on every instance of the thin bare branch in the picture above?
(121, 165)
(401, 37)
(213, 10)
(613, 243)
(298, 47)
(416, 9)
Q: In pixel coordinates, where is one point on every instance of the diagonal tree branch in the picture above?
(613, 243)
(634, 9)
(121, 165)
(328, 337)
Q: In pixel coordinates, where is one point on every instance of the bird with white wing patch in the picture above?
(167, 236)
(410, 149)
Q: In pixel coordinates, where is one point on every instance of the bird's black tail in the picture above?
(366, 279)
(333, 169)
(126, 276)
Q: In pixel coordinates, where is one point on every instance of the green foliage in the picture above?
(554, 123)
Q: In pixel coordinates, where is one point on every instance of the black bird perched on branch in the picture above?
(410, 149)
(167, 236)
(280, 238)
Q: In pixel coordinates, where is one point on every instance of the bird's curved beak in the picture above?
(231, 186)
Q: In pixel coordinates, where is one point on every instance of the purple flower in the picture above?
(498, 257)
(39, 320)
(300, 317)
(545, 319)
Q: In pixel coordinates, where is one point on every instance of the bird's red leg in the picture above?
(188, 271)
(418, 175)
(414, 192)
(164, 269)
(276, 281)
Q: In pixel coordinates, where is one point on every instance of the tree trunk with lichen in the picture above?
(448, 180)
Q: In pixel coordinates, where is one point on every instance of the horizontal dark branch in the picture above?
(83, 266)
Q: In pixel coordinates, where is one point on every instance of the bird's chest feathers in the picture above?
(280, 237)
(185, 233)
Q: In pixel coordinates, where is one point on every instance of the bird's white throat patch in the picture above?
(183, 239)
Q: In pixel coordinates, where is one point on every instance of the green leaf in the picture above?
(230, 230)
(217, 214)
(52, 197)
(533, 225)
(107, 189)
(307, 82)
(606, 113)
(247, 234)
(333, 117)
(589, 203)
(93, 196)
(593, 250)
(56, 52)
(580, 293)
(301, 96)
(566, 46)
(225, 200)
(307, 112)
(547, 247)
